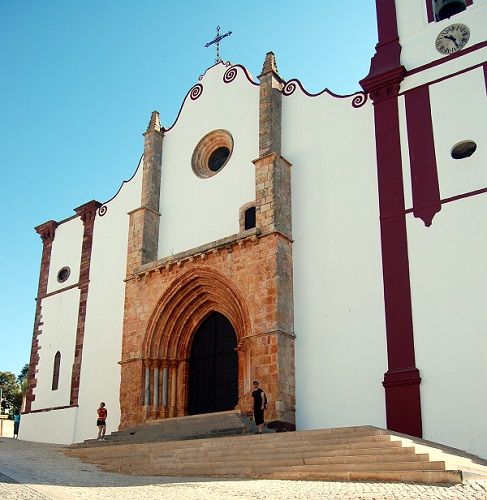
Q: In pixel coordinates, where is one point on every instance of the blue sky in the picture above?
(80, 79)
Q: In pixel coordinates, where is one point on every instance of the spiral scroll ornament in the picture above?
(196, 91)
(230, 74)
(102, 210)
(359, 100)
(289, 88)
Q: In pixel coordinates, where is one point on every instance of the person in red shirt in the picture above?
(101, 421)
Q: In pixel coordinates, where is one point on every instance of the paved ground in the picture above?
(34, 471)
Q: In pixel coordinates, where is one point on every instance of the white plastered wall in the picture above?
(196, 211)
(60, 319)
(338, 296)
(417, 37)
(449, 275)
(58, 333)
(100, 371)
(49, 427)
(66, 251)
(459, 111)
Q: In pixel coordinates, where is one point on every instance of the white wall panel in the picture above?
(459, 112)
(60, 320)
(100, 371)
(49, 427)
(449, 286)
(406, 167)
(196, 211)
(339, 314)
(66, 251)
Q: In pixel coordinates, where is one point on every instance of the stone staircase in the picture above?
(225, 423)
(363, 453)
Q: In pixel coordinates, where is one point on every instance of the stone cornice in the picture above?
(272, 157)
(87, 211)
(47, 230)
(384, 85)
(200, 251)
(144, 207)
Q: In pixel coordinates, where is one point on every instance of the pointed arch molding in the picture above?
(187, 302)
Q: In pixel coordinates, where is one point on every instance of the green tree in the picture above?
(23, 374)
(11, 393)
(22, 379)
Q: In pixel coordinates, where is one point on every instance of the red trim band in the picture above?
(422, 156)
(65, 289)
(446, 59)
(452, 198)
(42, 410)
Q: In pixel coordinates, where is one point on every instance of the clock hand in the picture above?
(452, 38)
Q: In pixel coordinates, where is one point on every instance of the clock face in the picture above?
(452, 38)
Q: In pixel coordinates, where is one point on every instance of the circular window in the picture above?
(212, 153)
(463, 149)
(63, 274)
(218, 158)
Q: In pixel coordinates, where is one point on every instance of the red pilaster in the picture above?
(46, 232)
(87, 212)
(401, 382)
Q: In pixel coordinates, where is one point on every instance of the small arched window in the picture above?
(55, 371)
(250, 218)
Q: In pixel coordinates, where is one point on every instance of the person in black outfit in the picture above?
(260, 401)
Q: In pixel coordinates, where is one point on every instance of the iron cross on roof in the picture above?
(217, 41)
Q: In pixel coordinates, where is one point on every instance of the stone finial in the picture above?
(270, 64)
(154, 123)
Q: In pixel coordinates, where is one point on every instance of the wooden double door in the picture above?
(213, 367)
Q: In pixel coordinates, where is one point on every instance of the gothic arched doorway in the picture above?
(213, 367)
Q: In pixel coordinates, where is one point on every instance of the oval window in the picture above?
(463, 149)
(63, 274)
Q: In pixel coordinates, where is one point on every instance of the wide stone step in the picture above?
(160, 459)
(238, 461)
(361, 453)
(426, 477)
(454, 458)
(189, 427)
(188, 449)
(304, 453)
(239, 468)
(393, 466)
(263, 443)
(288, 437)
(168, 428)
(371, 459)
(296, 465)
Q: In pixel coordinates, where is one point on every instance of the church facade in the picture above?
(331, 247)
